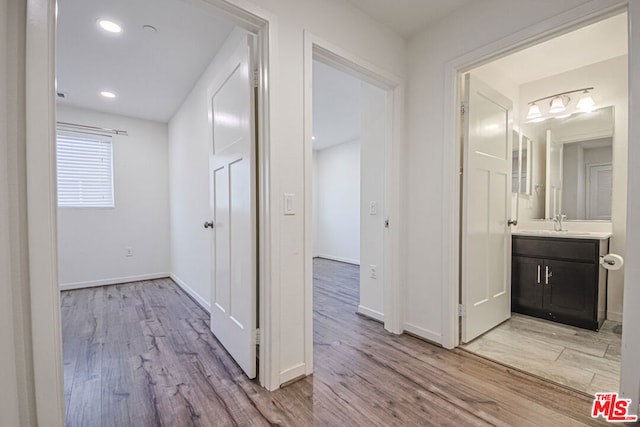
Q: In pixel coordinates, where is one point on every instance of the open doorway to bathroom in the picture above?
(568, 132)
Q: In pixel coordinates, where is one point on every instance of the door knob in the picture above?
(208, 224)
(512, 222)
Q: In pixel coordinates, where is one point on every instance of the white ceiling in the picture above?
(151, 72)
(408, 17)
(336, 106)
(591, 44)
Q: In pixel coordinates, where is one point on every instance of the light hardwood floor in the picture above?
(586, 360)
(141, 354)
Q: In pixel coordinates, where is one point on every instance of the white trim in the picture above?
(293, 373)
(614, 316)
(423, 333)
(42, 212)
(112, 281)
(317, 48)
(577, 17)
(193, 294)
(367, 312)
(339, 259)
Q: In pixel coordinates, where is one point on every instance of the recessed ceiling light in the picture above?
(108, 94)
(109, 26)
(150, 29)
(313, 138)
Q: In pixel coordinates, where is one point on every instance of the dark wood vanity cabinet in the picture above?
(559, 279)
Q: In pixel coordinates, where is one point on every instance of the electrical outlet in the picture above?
(373, 271)
(128, 251)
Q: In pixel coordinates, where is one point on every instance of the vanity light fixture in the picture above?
(109, 26)
(559, 103)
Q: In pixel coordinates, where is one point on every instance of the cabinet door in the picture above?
(571, 290)
(526, 292)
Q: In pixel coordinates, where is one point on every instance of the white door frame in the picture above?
(42, 206)
(573, 19)
(317, 48)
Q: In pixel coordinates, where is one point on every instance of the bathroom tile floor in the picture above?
(584, 360)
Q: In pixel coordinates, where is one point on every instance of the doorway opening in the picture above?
(350, 180)
(349, 212)
(564, 144)
(160, 106)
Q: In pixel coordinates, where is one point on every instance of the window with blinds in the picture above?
(85, 172)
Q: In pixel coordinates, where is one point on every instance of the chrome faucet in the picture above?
(557, 221)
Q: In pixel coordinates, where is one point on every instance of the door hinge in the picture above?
(256, 78)
(463, 109)
(386, 223)
(258, 336)
(462, 312)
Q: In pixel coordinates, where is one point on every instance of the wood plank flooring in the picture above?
(141, 354)
(586, 360)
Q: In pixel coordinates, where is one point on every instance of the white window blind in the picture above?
(85, 172)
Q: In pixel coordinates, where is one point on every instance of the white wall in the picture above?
(374, 131)
(92, 242)
(610, 80)
(338, 202)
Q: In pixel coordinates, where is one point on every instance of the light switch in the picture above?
(288, 204)
(373, 207)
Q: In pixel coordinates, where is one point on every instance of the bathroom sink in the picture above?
(564, 234)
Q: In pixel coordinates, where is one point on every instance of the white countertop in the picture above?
(566, 234)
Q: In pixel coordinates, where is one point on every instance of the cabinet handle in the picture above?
(538, 274)
(547, 274)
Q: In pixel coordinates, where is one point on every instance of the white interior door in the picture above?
(233, 194)
(486, 237)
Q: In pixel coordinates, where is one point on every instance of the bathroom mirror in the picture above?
(521, 164)
(570, 165)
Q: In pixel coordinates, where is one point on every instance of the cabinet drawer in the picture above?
(551, 247)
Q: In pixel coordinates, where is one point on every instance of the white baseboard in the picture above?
(193, 294)
(616, 317)
(293, 373)
(376, 315)
(423, 333)
(112, 281)
(339, 259)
